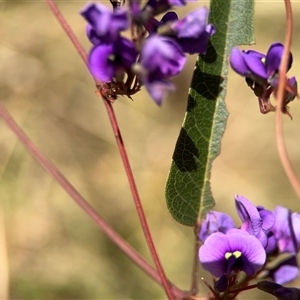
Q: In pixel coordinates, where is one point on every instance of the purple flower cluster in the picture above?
(156, 50)
(261, 73)
(262, 236)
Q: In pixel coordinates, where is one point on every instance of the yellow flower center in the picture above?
(236, 254)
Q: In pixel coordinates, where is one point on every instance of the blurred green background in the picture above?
(48, 248)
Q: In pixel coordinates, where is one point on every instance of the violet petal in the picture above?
(286, 271)
(99, 65)
(212, 253)
(158, 90)
(237, 62)
(283, 230)
(193, 24)
(245, 253)
(255, 65)
(164, 54)
(248, 214)
(268, 219)
(273, 58)
(215, 222)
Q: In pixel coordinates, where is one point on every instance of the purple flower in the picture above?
(215, 222)
(286, 230)
(161, 58)
(109, 60)
(199, 44)
(193, 32)
(92, 35)
(192, 24)
(104, 24)
(261, 72)
(286, 271)
(257, 66)
(256, 220)
(235, 251)
(248, 64)
(162, 54)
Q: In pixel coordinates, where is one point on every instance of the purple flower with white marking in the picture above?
(146, 60)
(248, 64)
(257, 66)
(109, 60)
(261, 73)
(161, 58)
(256, 220)
(215, 222)
(234, 251)
(104, 25)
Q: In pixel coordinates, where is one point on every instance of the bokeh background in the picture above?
(48, 248)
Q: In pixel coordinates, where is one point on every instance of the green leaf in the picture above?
(188, 192)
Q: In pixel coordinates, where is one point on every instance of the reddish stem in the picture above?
(280, 94)
(136, 197)
(249, 287)
(83, 204)
(123, 154)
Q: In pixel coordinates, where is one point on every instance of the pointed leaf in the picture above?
(188, 191)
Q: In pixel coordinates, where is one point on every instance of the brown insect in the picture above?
(111, 90)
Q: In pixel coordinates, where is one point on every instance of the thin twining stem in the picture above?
(280, 95)
(78, 198)
(123, 154)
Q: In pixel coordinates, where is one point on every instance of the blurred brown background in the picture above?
(48, 248)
